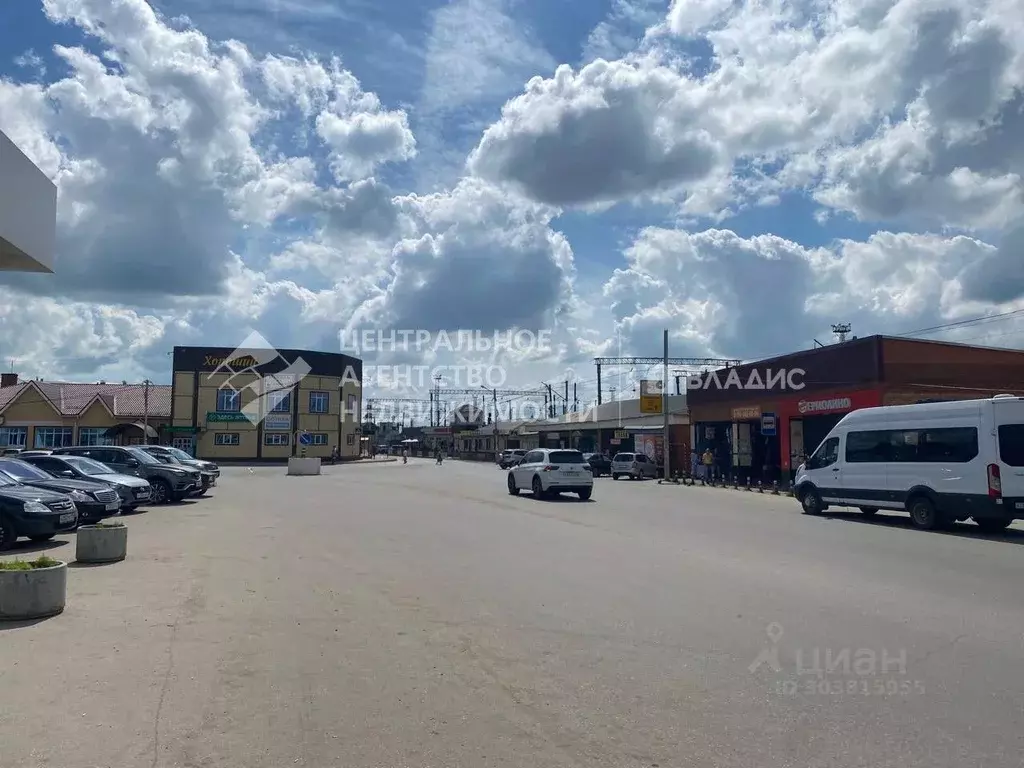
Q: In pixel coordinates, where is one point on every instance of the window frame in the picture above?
(236, 398)
(277, 439)
(220, 443)
(279, 399)
(68, 432)
(318, 393)
(99, 432)
(7, 431)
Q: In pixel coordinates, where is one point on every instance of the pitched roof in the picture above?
(73, 398)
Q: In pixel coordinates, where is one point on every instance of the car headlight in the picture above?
(79, 496)
(36, 507)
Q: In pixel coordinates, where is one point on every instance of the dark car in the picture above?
(35, 513)
(210, 472)
(169, 482)
(599, 464)
(134, 491)
(95, 500)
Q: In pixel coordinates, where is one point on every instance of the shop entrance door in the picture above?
(185, 444)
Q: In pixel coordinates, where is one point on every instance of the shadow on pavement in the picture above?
(5, 625)
(963, 530)
(28, 547)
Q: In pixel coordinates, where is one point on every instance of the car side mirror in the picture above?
(67, 473)
(133, 463)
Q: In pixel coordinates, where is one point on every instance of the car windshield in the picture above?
(179, 454)
(6, 479)
(567, 457)
(88, 466)
(23, 471)
(142, 456)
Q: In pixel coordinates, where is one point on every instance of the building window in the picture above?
(318, 438)
(94, 436)
(350, 439)
(13, 437)
(184, 444)
(276, 438)
(54, 437)
(228, 401)
(226, 438)
(352, 405)
(319, 402)
(280, 402)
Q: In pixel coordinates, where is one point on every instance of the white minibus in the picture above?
(941, 462)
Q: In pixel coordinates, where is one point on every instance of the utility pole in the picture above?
(145, 411)
(598, 383)
(667, 450)
(678, 388)
(565, 400)
(840, 330)
(437, 397)
(575, 399)
(550, 402)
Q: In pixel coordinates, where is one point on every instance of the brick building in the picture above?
(760, 418)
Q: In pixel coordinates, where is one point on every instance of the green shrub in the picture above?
(28, 565)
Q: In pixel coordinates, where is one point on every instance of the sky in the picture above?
(742, 174)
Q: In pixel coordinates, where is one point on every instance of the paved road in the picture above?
(416, 616)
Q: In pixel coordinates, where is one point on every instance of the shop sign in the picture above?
(622, 434)
(769, 424)
(747, 413)
(829, 405)
(278, 422)
(180, 429)
(225, 416)
(775, 380)
(615, 441)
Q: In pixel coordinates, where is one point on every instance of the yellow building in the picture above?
(48, 414)
(229, 404)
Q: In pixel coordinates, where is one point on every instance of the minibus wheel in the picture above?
(810, 500)
(924, 515)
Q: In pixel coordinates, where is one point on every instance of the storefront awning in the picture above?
(145, 429)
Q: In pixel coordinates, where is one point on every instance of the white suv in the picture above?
(548, 471)
(634, 465)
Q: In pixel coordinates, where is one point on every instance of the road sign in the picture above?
(305, 438)
(650, 396)
(769, 424)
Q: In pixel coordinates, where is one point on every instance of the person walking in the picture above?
(708, 462)
(438, 455)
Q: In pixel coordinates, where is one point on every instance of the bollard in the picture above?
(760, 487)
(748, 484)
(775, 488)
(736, 482)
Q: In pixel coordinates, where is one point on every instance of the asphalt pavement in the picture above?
(413, 616)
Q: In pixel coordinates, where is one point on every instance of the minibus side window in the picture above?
(1011, 444)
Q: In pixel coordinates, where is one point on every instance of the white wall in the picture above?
(28, 213)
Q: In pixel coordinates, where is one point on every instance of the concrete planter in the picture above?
(101, 543)
(33, 594)
(300, 466)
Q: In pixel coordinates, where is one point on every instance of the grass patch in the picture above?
(29, 565)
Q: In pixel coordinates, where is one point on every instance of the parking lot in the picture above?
(414, 615)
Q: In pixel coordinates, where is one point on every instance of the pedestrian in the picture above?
(708, 462)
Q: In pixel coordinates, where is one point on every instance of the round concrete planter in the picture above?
(101, 543)
(33, 594)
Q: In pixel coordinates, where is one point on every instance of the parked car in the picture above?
(210, 471)
(134, 491)
(35, 513)
(511, 457)
(547, 471)
(634, 465)
(95, 500)
(170, 482)
(599, 464)
(941, 462)
(35, 452)
(11, 451)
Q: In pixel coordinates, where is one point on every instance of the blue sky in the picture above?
(743, 174)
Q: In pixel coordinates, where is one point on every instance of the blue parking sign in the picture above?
(769, 424)
(305, 438)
